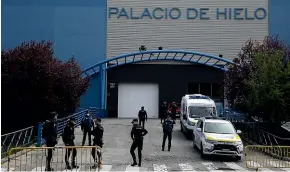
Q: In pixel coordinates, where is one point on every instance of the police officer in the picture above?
(142, 116)
(98, 141)
(68, 139)
(137, 134)
(49, 133)
(86, 125)
(163, 111)
(167, 132)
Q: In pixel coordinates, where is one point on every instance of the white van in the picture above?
(193, 107)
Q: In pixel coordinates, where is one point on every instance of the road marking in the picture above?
(160, 168)
(279, 164)
(130, 168)
(186, 167)
(75, 169)
(256, 165)
(210, 166)
(39, 169)
(105, 168)
(6, 169)
(234, 166)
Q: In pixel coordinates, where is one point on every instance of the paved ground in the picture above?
(116, 156)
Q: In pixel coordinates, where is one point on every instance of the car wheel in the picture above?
(181, 127)
(188, 135)
(194, 144)
(201, 152)
(238, 158)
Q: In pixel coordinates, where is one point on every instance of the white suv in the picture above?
(217, 137)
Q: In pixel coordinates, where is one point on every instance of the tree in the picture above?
(35, 83)
(253, 65)
(267, 95)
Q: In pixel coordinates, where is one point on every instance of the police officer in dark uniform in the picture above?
(49, 133)
(167, 132)
(87, 125)
(68, 139)
(137, 134)
(98, 141)
(142, 116)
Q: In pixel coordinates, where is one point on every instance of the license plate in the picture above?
(225, 150)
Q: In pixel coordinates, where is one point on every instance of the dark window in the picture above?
(220, 128)
(205, 89)
(193, 88)
(216, 91)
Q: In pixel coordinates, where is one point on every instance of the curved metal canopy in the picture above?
(161, 55)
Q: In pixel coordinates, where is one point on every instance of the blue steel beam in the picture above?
(136, 61)
(103, 85)
(167, 52)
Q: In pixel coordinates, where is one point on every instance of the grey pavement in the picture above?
(116, 155)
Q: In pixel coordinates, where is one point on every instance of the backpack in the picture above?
(167, 125)
(87, 123)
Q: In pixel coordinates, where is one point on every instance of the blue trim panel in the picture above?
(279, 21)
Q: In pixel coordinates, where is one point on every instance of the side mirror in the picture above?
(198, 129)
(239, 132)
(184, 116)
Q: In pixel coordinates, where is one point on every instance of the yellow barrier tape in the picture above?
(257, 156)
(35, 158)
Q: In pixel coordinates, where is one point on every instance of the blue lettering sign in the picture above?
(237, 13)
(190, 13)
(264, 13)
(113, 11)
(124, 13)
(202, 13)
(247, 15)
(154, 13)
(218, 13)
(194, 11)
(132, 16)
(146, 13)
(178, 13)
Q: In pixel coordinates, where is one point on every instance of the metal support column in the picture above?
(103, 88)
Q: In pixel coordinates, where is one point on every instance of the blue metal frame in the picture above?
(155, 55)
(160, 55)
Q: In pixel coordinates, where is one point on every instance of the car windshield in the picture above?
(197, 112)
(219, 128)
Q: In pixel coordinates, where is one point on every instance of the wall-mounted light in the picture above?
(142, 48)
(220, 55)
(160, 48)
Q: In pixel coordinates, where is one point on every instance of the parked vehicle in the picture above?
(217, 137)
(193, 107)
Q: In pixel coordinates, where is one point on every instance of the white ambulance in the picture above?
(193, 107)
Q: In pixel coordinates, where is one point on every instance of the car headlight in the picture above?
(190, 123)
(210, 141)
(238, 143)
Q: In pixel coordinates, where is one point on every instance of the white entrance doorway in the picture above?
(132, 96)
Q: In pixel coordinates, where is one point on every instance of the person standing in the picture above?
(86, 126)
(173, 111)
(163, 111)
(49, 134)
(68, 139)
(142, 116)
(137, 134)
(98, 141)
(167, 132)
